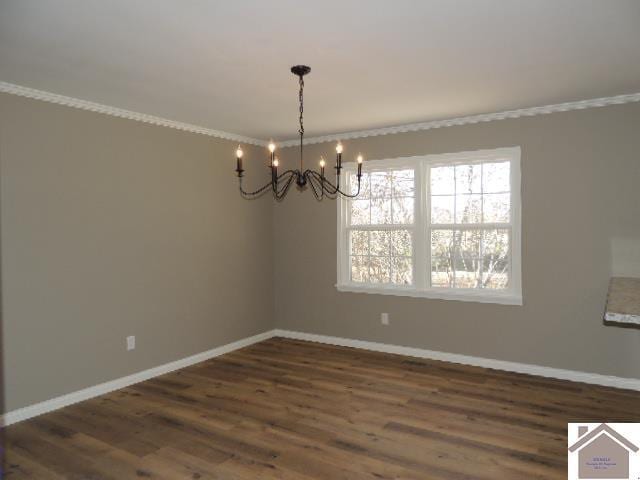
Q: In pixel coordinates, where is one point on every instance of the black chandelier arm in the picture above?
(293, 173)
(316, 183)
(281, 192)
(255, 193)
(280, 185)
(328, 187)
(271, 185)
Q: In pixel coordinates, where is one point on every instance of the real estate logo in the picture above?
(604, 451)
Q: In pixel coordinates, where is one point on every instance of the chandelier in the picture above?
(280, 182)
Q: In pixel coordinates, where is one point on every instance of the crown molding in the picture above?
(121, 113)
(27, 92)
(486, 117)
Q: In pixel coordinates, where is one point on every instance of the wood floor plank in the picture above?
(293, 410)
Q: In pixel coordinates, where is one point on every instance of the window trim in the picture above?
(422, 254)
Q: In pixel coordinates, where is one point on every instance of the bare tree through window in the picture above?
(441, 226)
(381, 237)
(470, 231)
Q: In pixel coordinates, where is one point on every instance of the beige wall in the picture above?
(580, 184)
(111, 228)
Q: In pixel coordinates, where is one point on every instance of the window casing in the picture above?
(437, 226)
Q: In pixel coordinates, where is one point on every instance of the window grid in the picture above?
(421, 258)
(460, 228)
(392, 258)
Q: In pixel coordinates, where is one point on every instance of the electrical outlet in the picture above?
(384, 318)
(131, 342)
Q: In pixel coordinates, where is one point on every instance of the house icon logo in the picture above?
(601, 451)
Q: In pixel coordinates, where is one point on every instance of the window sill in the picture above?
(436, 293)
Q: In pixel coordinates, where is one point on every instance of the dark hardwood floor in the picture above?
(285, 409)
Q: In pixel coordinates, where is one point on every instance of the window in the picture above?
(439, 226)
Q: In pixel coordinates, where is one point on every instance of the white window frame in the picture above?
(421, 230)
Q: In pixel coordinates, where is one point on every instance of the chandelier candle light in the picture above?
(280, 183)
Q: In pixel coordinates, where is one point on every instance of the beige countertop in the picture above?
(623, 301)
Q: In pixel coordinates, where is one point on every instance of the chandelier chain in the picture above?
(301, 130)
(301, 99)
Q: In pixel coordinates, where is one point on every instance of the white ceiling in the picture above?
(225, 64)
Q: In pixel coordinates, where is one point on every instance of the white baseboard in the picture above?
(575, 376)
(91, 392)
